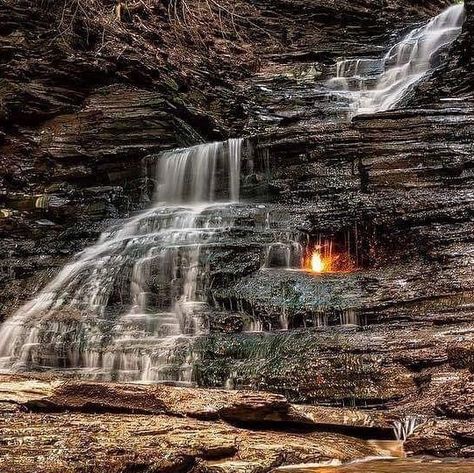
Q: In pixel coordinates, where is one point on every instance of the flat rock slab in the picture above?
(385, 466)
(70, 442)
(20, 390)
(204, 404)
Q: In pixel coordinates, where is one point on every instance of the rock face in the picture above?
(161, 429)
(392, 192)
(411, 226)
(77, 114)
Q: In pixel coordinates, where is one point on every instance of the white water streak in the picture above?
(380, 84)
(76, 321)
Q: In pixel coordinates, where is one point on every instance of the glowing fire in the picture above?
(323, 257)
(317, 263)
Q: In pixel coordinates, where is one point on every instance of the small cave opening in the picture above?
(344, 251)
(337, 253)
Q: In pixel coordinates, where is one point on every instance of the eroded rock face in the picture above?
(76, 125)
(81, 108)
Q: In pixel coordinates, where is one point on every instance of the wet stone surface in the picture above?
(392, 190)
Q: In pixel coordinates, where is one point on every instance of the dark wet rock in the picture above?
(77, 127)
(461, 355)
(338, 368)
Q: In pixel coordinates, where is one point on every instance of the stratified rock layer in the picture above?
(77, 120)
(90, 426)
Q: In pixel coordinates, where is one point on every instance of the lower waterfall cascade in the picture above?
(124, 306)
(72, 323)
(378, 84)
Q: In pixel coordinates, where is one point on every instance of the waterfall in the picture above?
(379, 84)
(121, 307)
(124, 307)
(286, 253)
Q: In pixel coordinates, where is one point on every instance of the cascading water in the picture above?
(120, 309)
(125, 307)
(379, 84)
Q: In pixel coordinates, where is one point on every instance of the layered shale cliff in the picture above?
(90, 96)
(85, 99)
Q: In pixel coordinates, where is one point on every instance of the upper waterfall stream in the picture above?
(377, 84)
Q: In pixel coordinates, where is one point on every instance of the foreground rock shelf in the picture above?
(385, 466)
(50, 426)
(55, 425)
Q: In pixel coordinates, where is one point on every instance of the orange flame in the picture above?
(323, 259)
(317, 263)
